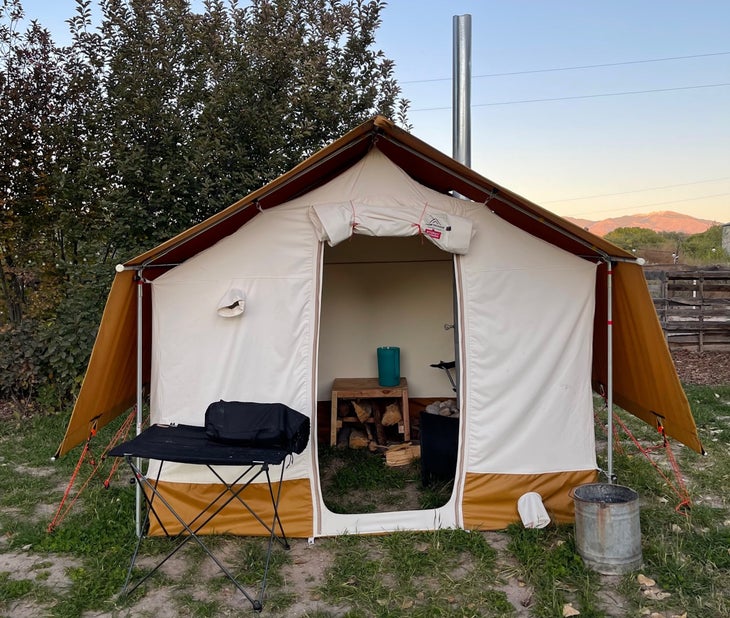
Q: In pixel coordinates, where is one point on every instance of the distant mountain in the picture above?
(664, 221)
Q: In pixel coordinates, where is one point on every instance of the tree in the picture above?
(706, 248)
(30, 83)
(203, 108)
(634, 238)
(150, 123)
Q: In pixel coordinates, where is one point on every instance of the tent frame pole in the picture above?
(609, 365)
(138, 493)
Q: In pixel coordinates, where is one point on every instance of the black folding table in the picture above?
(190, 445)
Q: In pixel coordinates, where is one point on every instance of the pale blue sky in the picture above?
(667, 150)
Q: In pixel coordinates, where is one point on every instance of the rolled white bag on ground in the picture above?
(532, 510)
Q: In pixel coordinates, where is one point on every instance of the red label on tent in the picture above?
(433, 233)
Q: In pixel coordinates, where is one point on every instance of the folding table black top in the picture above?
(190, 444)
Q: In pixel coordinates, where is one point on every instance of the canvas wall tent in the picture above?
(530, 301)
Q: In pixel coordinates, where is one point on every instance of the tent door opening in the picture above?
(384, 292)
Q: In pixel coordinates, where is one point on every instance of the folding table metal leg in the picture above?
(237, 494)
(143, 526)
(192, 532)
(275, 502)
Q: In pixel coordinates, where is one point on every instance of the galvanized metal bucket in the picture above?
(607, 527)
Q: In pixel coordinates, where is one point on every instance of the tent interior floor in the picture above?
(360, 481)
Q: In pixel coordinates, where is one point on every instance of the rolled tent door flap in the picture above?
(336, 222)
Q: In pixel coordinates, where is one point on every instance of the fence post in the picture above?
(701, 335)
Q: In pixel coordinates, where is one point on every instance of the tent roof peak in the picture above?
(422, 162)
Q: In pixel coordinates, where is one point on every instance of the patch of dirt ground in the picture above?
(706, 368)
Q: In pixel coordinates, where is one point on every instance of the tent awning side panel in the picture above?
(645, 380)
(110, 385)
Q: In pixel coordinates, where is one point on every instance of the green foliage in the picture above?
(705, 248)
(633, 238)
(697, 249)
(20, 352)
(45, 356)
(144, 126)
(202, 108)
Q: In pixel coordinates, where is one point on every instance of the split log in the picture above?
(402, 454)
(392, 415)
(363, 410)
(358, 439)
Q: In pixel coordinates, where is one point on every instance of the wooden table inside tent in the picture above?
(367, 388)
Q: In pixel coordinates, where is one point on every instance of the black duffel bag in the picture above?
(261, 425)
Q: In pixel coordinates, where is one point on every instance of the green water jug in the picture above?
(389, 366)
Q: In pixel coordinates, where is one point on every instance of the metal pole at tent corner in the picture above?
(609, 365)
(138, 492)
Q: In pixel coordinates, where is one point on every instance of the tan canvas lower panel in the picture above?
(188, 499)
(490, 500)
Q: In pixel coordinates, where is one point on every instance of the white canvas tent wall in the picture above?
(525, 392)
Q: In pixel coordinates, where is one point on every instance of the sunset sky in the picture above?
(591, 109)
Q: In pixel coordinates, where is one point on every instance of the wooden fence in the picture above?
(693, 307)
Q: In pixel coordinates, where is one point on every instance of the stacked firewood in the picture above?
(372, 435)
(373, 420)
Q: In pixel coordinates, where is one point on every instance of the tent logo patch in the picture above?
(435, 229)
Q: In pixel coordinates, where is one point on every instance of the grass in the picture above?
(686, 552)
(440, 573)
(551, 565)
(444, 573)
(357, 481)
